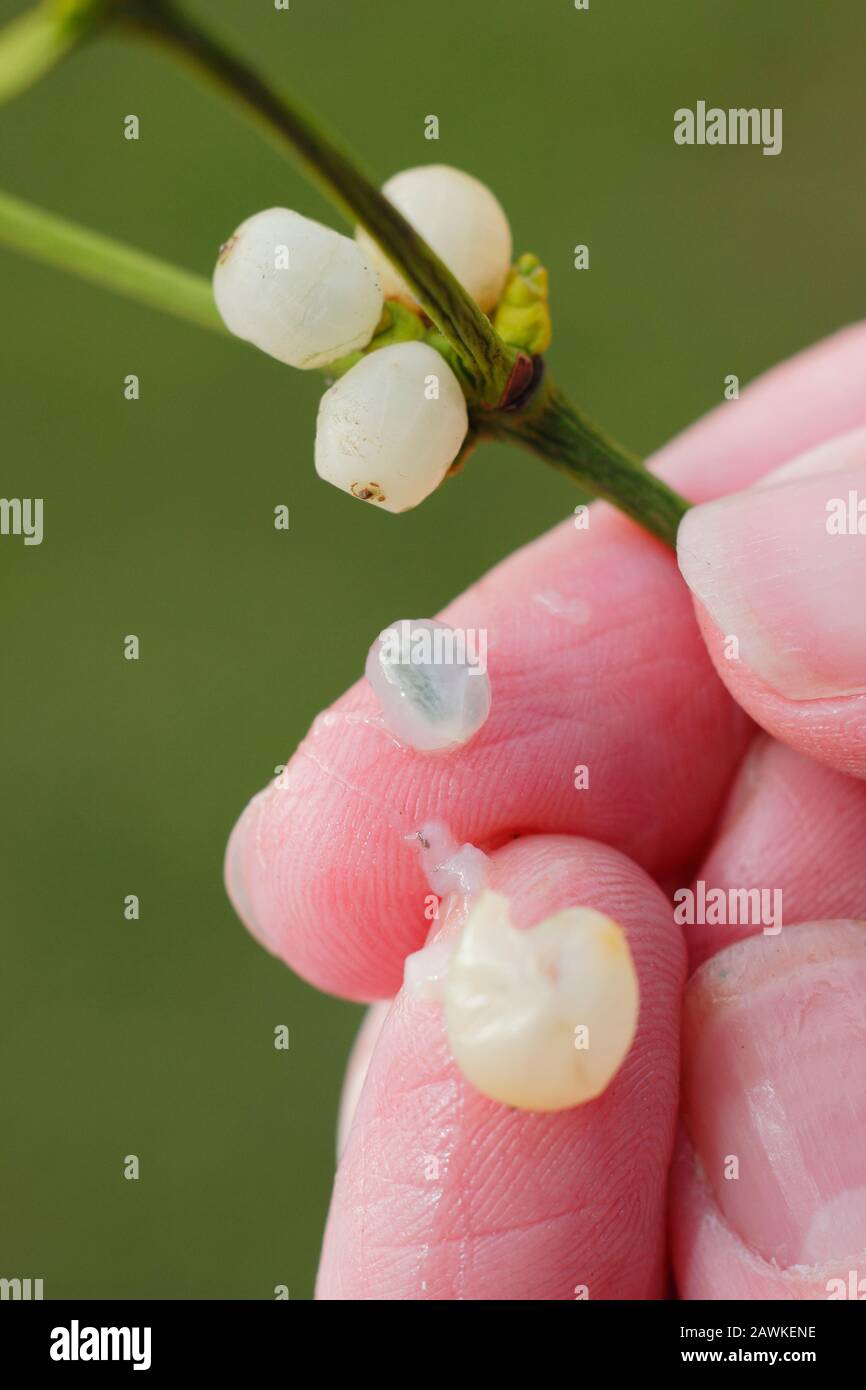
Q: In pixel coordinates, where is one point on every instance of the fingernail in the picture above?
(781, 571)
(774, 1042)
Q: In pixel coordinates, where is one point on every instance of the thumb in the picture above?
(778, 574)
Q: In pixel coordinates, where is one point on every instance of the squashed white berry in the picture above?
(432, 688)
(389, 430)
(540, 1019)
(463, 222)
(297, 290)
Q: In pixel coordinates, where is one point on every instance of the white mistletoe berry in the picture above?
(298, 290)
(463, 222)
(389, 430)
(540, 1019)
(431, 683)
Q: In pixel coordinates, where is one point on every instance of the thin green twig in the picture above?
(45, 237)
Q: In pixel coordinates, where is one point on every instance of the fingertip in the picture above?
(777, 574)
(832, 731)
(236, 873)
(443, 1193)
(710, 1261)
(774, 1046)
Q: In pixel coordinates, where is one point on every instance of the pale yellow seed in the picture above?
(540, 1019)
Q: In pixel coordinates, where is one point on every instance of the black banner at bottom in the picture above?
(159, 1338)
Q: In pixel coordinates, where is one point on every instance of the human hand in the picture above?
(596, 661)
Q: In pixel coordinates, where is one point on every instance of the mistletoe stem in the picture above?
(32, 44)
(102, 260)
(553, 428)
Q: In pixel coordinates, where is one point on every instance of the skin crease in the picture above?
(310, 865)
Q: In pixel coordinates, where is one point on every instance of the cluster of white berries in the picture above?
(389, 428)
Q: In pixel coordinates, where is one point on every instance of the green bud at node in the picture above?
(522, 317)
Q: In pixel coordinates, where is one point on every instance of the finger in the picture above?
(357, 1068)
(622, 697)
(594, 664)
(791, 845)
(444, 1194)
(795, 406)
(769, 1186)
(798, 828)
(779, 578)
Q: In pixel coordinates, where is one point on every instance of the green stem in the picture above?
(488, 360)
(556, 430)
(32, 44)
(45, 237)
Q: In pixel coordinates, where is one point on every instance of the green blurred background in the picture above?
(156, 1037)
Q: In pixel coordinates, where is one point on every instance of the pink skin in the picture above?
(617, 679)
(780, 802)
(765, 569)
(629, 693)
(774, 1027)
(432, 1159)
(774, 1044)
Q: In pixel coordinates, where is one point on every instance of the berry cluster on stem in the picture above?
(498, 362)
